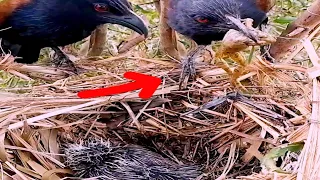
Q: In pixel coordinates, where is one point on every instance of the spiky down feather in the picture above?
(101, 159)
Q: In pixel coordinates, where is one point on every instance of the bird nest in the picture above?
(230, 134)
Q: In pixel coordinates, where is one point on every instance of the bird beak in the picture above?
(242, 28)
(132, 21)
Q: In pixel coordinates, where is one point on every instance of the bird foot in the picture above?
(237, 84)
(61, 60)
(188, 67)
(264, 51)
(235, 74)
(66, 63)
(235, 78)
(188, 72)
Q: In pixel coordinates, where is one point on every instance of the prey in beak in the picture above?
(242, 28)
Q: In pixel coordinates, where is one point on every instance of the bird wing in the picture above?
(7, 7)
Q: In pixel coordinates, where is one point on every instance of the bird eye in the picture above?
(202, 20)
(101, 7)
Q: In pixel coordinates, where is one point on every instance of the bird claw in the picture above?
(264, 51)
(188, 72)
(60, 61)
(188, 67)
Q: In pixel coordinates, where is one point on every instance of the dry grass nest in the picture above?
(229, 133)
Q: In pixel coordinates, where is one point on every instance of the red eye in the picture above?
(202, 20)
(101, 8)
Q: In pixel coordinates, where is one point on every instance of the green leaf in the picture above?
(285, 20)
(269, 159)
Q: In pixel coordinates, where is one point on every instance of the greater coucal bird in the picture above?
(27, 26)
(205, 21)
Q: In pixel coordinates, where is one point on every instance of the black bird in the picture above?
(30, 25)
(205, 21)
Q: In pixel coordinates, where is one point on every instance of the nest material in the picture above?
(226, 135)
(223, 135)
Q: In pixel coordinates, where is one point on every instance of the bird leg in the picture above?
(188, 67)
(237, 72)
(234, 42)
(61, 58)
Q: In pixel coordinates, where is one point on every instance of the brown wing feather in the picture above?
(266, 5)
(7, 7)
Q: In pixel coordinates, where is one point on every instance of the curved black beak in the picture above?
(242, 28)
(130, 20)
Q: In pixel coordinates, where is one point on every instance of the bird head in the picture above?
(116, 12)
(209, 20)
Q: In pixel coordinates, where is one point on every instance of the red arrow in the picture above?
(147, 84)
